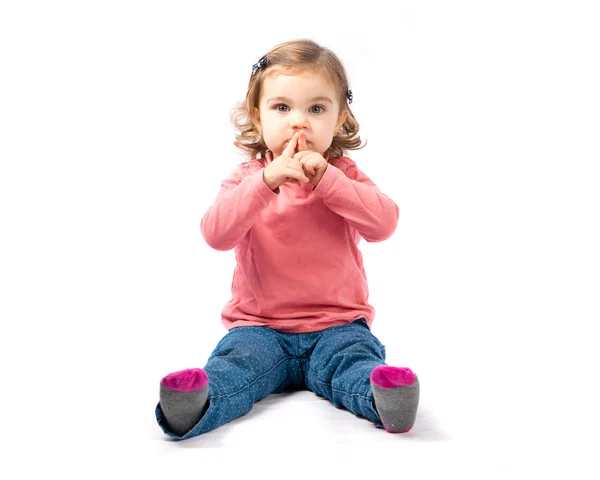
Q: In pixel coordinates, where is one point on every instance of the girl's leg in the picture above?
(341, 367)
(247, 365)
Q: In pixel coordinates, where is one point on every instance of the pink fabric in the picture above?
(392, 377)
(299, 268)
(186, 380)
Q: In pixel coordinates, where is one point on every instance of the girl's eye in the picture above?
(281, 107)
(317, 109)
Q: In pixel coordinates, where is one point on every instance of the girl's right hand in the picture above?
(285, 168)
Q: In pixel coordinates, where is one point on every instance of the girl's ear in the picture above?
(341, 119)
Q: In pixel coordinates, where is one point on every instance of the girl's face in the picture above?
(306, 101)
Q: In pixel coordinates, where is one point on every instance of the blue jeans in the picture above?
(250, 363)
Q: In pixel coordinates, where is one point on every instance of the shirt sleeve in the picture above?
(351, 194)
(241, 198)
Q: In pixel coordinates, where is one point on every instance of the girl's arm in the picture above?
(351, 194)
(241, 199)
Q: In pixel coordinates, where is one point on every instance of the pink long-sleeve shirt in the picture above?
(299, 268)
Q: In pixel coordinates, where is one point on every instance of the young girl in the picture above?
(299, 316)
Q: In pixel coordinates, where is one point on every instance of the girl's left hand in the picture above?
(313, 163)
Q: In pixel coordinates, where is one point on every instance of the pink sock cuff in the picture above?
(186, 380)
(392, 377)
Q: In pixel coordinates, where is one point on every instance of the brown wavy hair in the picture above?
(292, 58)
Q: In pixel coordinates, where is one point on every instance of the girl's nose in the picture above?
(299, 121)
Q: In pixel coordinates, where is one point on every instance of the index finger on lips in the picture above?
(291, 146)
(302, 142)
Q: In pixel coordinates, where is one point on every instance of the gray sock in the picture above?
(183, 399)
(396, 397)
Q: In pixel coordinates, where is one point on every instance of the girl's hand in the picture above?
(313, 163)
(285, 168)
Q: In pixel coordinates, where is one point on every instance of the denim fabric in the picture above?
(250, 363)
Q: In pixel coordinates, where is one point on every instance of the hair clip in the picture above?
(349, 95)
(261, 63)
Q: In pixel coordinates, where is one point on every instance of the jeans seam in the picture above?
(340, 391)
(349, 394)
(250, 384)
(299, 357)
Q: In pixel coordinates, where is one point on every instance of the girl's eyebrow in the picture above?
(287, 100)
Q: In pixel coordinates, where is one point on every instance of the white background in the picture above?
(482, 121)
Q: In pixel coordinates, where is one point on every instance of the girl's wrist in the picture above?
(269, 182)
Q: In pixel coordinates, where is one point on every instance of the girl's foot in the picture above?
(183, 398)
(396, 397)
